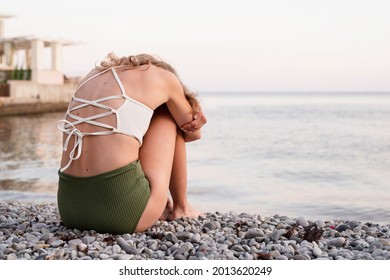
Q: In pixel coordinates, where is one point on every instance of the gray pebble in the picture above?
(12, 256)
(185, 248)
(320, 223)
(39, 225)
(3, 219)
(94, 254)
(75, 242)
(300, 257)
(252, 233)
(31, 238)
(160, 254)
(275, 235)
(45, 237)
(3, 247)
(210, 226)
(104, 256)
(58, 254)
(302, 221)
(216, 236)
(183, 235)
(88, 239)
(180, 257)
(116, 249)
(342, 227)
(195, 238)
(126, 236)
(317, 251)
(126, 247)
(82, 247)
(337, 242)
(73, 255)
(153, 244)
(171, 237)
(56, 243)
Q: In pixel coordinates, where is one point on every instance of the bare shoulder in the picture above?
(163, 73)
(170, 81)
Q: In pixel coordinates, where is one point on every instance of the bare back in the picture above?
(100, 154)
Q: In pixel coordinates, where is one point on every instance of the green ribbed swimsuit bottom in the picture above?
(112, 202)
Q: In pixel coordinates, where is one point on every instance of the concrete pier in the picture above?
(26, 97)
(30, 87)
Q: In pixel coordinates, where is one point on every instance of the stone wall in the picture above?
(30, 97)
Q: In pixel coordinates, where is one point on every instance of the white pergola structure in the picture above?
(34, 53)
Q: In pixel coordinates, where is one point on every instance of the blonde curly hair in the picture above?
(131, 61)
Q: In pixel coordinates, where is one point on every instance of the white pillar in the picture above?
(2, 57)
(8, 54)
(56, 56)
(1, 28)
(36, 59)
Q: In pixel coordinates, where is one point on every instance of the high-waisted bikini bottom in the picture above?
(112, 202)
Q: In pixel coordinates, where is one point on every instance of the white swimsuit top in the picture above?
(132, 118)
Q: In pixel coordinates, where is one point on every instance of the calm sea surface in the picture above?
(318, 155)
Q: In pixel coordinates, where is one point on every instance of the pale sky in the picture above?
(222, 45)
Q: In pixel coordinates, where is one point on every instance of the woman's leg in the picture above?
(164, 164)
(178, 182)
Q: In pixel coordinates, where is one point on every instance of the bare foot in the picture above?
(167, 211)
(188, 212)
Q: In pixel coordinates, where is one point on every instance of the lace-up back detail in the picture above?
(132, 118)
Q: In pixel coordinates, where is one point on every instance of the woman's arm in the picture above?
(187, 117)
(192, 129)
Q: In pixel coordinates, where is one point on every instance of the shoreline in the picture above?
(34, 231)
(343, 214)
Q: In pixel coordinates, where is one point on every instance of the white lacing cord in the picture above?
(71, 130)
(78, 141)
(70, 127)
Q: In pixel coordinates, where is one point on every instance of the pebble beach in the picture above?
(34, 231)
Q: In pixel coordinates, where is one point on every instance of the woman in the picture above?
(124, 146)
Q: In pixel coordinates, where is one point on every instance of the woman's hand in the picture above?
(199, 119)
